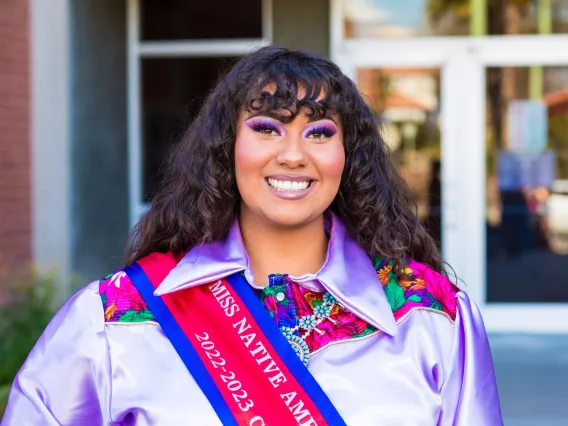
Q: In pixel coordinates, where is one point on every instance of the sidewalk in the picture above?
(532, 376)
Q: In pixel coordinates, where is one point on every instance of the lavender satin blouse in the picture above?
(412, 365)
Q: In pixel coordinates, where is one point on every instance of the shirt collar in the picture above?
(347, 273)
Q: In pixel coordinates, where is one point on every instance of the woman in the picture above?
(280, 277)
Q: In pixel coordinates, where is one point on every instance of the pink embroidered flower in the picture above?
(121, 293)
(438, 286)
(342, 326)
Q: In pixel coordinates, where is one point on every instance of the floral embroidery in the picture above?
(422, 287)
(305, 309)
(385, 274)
(309, 320)
(121, 301)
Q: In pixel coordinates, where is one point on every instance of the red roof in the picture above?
(557, 102)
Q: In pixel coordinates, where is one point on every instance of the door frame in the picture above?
(462, 62)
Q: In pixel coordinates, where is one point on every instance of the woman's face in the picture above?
(288, 174)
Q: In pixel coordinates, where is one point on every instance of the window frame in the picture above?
(137, 51)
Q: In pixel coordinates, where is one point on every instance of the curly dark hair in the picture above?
(198, 198)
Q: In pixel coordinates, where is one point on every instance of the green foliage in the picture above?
(27, 308)
(4, 391)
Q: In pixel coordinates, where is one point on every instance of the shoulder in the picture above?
(122, 303)
(422, 288)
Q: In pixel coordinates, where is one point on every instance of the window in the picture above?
(173, 90)
(527, 184)
(408, 101)
(200, 20)
(177, 51)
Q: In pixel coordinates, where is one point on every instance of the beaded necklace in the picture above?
(308, 324)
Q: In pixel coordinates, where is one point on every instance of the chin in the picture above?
(290, 217)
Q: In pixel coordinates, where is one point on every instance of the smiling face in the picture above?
(288, 173)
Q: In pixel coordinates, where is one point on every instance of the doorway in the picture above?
(479, 128)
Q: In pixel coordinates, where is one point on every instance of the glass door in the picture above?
(525, 144)
(527, 184)
(418, 91)
(408, 102)
(430, 130)
(475, 109)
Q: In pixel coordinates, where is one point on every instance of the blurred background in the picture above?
(473, 96)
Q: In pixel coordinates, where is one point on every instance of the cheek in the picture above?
(246, 156)
(250, 160)
(332, 163)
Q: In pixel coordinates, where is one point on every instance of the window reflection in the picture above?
(415, 18)
(527, 184)
(408, 101)
(409, 18)
(527, 17)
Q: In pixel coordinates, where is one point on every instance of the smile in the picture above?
(290, 186)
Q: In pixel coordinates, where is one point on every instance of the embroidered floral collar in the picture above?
(310, 320)
(347, 274)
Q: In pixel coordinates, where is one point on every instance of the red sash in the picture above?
(234, 350)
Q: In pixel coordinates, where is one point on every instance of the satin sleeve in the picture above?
(469, 393)
(66, 377)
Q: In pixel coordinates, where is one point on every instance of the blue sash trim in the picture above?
(285, 351)
(181, 343)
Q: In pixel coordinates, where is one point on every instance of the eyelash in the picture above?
(262, 126)
(325, 131)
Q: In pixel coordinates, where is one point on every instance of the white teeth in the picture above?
(285, 185)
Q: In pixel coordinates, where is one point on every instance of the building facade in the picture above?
(472, 95)
(15, 164)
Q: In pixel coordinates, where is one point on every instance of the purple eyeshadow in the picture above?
(326, 129)
(260, 124)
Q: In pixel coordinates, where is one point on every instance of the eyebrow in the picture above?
(327, 117)
(310, 119)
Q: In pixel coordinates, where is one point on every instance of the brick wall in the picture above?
(15, 155)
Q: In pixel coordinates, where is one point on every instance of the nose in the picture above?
(292, 152)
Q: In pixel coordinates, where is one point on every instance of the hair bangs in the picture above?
(286, 89)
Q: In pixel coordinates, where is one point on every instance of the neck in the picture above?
(283, 250)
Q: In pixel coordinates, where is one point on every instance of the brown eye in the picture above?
(321, 132)
(268, 132)
(317, 135)
(264, 128)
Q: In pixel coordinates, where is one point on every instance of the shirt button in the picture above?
(280, 296)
